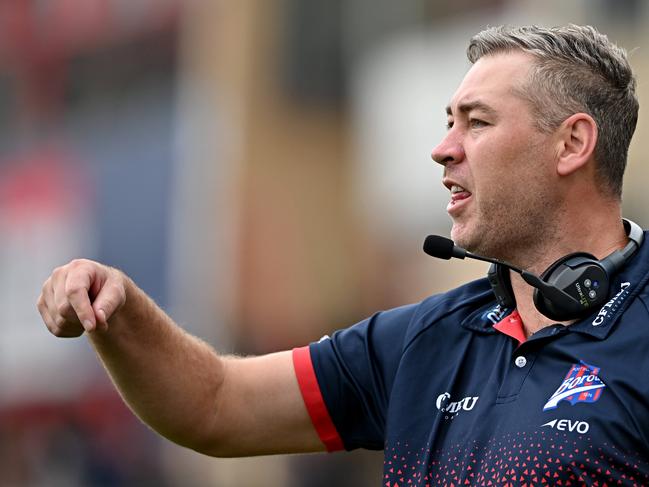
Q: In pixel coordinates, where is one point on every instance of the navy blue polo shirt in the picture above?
(454, 394)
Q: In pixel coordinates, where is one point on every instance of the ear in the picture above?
(576, 145)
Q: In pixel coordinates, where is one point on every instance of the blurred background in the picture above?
(260, 167)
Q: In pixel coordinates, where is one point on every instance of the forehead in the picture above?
(492, 81)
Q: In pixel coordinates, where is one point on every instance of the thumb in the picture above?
(110, 298)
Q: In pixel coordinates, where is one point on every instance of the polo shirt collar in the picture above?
(485, 317)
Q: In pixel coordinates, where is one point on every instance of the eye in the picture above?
(449, 124)
(476, 123)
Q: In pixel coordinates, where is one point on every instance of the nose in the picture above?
(449, 150)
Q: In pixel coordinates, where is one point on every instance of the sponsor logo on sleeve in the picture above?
(581, 384)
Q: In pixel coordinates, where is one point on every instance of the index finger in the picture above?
(77, 286)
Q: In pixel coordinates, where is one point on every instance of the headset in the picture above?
(573, 286)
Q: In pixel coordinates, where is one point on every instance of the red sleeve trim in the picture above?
(313, 400)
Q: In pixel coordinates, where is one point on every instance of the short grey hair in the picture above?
(577, 69)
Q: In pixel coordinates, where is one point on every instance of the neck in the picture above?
(597, 235)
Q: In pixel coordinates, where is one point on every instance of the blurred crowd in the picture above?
(261, 168)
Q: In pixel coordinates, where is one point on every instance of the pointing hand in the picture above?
(81, 296)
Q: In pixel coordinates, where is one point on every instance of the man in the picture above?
(538, 134)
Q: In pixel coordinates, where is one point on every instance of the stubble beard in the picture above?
(517, 233)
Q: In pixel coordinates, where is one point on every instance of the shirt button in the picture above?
(520, 362)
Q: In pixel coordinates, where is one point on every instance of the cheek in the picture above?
(502, 165)
(502, 180)
(509, 158)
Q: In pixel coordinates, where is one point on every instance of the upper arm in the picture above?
(261, 406)
(355, 369)
(260, 410)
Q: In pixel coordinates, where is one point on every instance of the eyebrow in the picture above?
(472, 105)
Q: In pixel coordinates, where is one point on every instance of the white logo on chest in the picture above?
(445, 405)
(581, 427)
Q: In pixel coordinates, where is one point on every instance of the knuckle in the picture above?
(74, 265)
(117, 295)
(108, 304)
(118, 290)
(59, 323)
(62, 332)
(63, 309)
(78, 263)
(53, 329)
(71, 289)
(42, 308)
(71, 266)
(46, 285)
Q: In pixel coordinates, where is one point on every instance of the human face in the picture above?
(497, 164)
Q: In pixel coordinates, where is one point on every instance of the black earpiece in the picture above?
(501, 285)
(575, 285)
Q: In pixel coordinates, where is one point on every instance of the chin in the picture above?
(463, 240)
(473, 241)
(460, 234)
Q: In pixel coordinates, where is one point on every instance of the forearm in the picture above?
(169, 378)
(173, 381)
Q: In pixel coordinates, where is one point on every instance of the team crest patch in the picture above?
(581, 384)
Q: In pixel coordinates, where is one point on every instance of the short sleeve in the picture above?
(346, 380)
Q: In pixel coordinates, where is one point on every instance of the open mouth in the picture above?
(459, 195)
